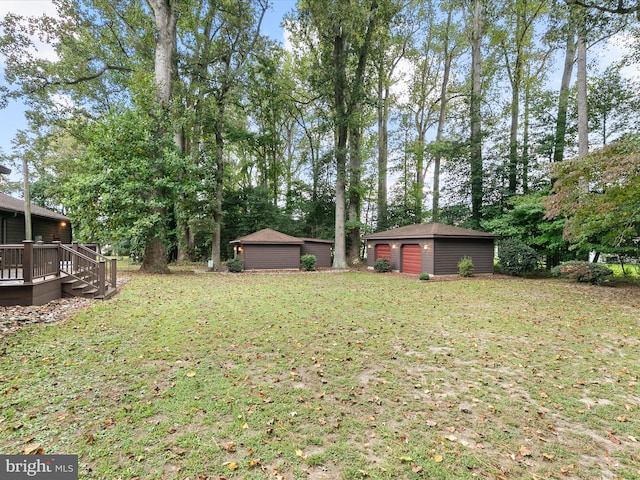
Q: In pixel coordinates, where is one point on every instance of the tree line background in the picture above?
(167, 128)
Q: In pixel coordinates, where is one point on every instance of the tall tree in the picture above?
(390, 50)
(165, 13)
(449, 51)
(475, 31)
(342, 31)
(219, 39)
(520, 18)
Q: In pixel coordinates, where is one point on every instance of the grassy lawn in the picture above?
(328, 376)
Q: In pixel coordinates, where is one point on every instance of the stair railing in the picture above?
(83, 268)
(111, 274)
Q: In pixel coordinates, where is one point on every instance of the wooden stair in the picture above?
(74, 287)
(87, 273)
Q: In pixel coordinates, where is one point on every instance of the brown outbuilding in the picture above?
(269, 249)
(431, 248)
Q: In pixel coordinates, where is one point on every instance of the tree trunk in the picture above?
(525, 138)
(476, 118)
(448, 58)
(154, 259)
(383, 149)
(216, 254)
(516, 80)
(340, 85)
(166, 17)
(563, 99)
(418, 193)
(355, 200)
(583, 120)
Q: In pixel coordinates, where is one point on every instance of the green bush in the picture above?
(584, 272)
(308, 262)
(465, 267)
(382, 265)
(516, 257)
(423, 276)
(235, 265)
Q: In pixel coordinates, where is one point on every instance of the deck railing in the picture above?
(11, 262)
(31, 262)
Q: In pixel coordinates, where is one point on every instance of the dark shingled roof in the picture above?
(4, 170)
(14, 205)
(267, 236)
(429, 230)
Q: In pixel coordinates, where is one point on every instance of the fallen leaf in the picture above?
(437, 458)
(548, 456)
(405, 459)
(416, 469)
(34, 448)
(230, 446)
(191, 373)
(613, 438)
(524, 451)
(232, 465)
(254, 462)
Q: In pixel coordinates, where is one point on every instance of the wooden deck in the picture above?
(34, 274)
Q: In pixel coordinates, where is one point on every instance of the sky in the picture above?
(12, 117)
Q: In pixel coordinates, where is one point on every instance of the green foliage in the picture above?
(382, 265)
(516, 257)
(423, 276)
(599, 195)
(584, 272)
(465, 267)
(308, 262)
(125, 181)
(525, 220)
(235, 265)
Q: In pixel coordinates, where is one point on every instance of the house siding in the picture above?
(448, 252)
(257, 257)
(427, 259)
(12, 229)
(321, 250)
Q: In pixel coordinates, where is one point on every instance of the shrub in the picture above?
(382, 265)
(584, 272)
(516, 257)
(235, 265)
(423, 276)
(308, 262)
(465, 267)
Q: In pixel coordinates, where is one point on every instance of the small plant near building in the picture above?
(382, 265)
(308, 262)
(584, 272)
(516, 257)
(423, 276)
(465, 267)
(235, 265)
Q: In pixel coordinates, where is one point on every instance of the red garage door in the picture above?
(411, 259)
(383, 251)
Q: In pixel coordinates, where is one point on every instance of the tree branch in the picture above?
(620, 9)
(93, 76)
